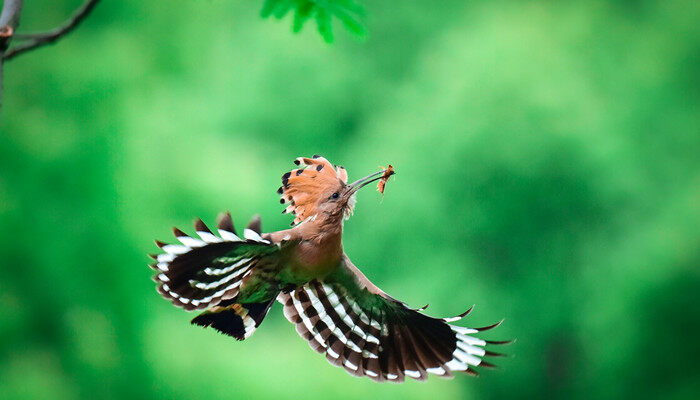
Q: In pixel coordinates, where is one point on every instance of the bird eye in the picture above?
(335, 195)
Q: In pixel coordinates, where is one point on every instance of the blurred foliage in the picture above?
(547, 170)
(346, 11)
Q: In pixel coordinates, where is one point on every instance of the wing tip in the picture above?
(489, 327)
(200, 226)
(500, 342)
(225, 222)
(178, 233)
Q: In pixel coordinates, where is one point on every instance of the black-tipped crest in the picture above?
(304, 188)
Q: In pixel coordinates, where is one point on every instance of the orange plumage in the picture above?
(304, 187)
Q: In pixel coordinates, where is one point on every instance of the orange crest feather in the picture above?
(302, 188)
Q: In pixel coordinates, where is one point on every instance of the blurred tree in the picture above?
(549, 173)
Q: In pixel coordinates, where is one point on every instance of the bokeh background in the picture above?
(548, 158)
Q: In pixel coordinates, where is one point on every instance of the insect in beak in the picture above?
(360, 183)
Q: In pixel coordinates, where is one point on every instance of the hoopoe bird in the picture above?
(358, 327)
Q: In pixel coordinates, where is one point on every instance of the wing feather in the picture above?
(361, 329)
(200, 273)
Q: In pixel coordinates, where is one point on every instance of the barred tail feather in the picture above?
(201, 272)
(234, 319)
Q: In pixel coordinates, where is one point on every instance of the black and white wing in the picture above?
(201, 272)
(360, 328)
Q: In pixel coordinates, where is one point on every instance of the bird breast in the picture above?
(316, 256)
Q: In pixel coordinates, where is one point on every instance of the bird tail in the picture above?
(234, 319)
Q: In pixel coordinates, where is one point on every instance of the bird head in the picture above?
(318, 188)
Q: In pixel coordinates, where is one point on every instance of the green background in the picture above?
(548, 159)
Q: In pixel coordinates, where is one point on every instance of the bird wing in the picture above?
(369, 333)
(200, 273)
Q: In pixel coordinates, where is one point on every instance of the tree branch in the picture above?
(35, 40)
(11, 10)
(9, 19)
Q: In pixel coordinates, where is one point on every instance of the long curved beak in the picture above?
(360, 183)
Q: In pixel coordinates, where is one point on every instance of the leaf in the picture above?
(350, 5)
(303, 12)
(349, 12)
(282, 8)
(323, 22)
(268, 7)
(350, 22)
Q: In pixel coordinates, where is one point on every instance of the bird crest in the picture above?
(306, 187)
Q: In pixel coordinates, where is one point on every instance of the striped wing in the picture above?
(201, 272)
(376, 336)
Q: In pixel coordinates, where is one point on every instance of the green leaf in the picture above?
(350, 22)
(268, 7)
(282, 8)
(350, 6)
(349, 12)
(302, 14)
(323, 22)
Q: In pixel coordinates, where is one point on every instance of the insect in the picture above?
(234, 280)
(389, 171)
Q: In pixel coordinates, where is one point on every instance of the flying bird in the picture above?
(357, 326)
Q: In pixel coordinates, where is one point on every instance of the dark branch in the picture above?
(11, 10)
(34, 40)
(9, 19)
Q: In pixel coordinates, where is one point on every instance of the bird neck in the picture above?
(319, 249)
(326, 229)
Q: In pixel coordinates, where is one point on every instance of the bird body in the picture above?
(332, 303)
